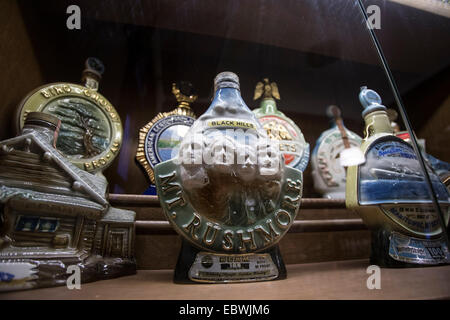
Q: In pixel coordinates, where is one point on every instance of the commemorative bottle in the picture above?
(229, 194)
(390, 193)
(279, 127)
(329, 175)
(91, 131)
(160, 138)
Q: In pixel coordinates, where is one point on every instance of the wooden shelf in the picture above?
(153, 201)
(131, 201)
(298, 226)
(328, 280)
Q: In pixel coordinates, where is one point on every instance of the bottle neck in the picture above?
(377, 122)
(333, 124)
(228, 97)
(268, 105)
(91, 83)
(90, 80)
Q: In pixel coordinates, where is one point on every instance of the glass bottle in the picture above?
(389, 191)
(328, 174)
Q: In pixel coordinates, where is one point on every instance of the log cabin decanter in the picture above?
(329, 175)
(55, 215)
(229, 194)
(91, 131)
(279, 127)
(160, 139)
(389, 191)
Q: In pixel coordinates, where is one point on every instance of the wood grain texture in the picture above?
(330, 280)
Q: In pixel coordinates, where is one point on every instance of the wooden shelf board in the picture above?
(328, 280)
(153, 201)
(298, 226)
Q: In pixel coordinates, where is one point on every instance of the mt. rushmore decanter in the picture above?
(229, 194)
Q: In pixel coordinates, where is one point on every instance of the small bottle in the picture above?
(328, 173)
(91, 132)
(389, 191)
(279, 127)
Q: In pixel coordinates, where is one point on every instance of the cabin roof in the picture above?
(31, 168)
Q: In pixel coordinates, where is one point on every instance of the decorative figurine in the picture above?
(91, 131)
(389, 191)
(279, 127)
(229, 194)
(56, 221)
(160, 138)
(328, 174)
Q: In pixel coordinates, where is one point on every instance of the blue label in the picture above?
(163, 139)
(303, 163)
(392, 174)
(6, 277)
(419, 251)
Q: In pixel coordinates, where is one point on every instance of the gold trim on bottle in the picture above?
(183, 109)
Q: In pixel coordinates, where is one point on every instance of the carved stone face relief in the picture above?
(248, 169)
(270, 160)
(222, 151)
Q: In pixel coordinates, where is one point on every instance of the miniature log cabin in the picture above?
(54, 215)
